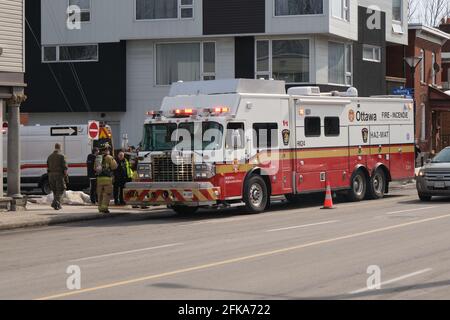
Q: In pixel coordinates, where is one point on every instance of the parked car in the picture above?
(433, 179)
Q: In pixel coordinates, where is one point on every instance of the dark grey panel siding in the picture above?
(54, 88)
(369, 77)
(233, 16)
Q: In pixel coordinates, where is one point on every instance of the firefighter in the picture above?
(122, 175)
(90, 162)
(104, 167)
(57, 175)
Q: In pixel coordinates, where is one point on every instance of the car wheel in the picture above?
(377, 185)
(358, 187)
(424, 198)
(256, 197)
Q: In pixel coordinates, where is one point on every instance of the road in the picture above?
(289, 252)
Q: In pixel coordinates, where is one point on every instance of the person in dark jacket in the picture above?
(57, 173)
(90, 162)
(122, 175)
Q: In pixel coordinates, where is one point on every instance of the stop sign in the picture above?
(93, 130)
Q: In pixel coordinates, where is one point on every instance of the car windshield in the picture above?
(161, 137)
(443, 156)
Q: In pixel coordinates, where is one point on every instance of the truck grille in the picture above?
(437, 176)
(166, 168)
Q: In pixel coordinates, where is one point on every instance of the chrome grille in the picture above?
(168, 168)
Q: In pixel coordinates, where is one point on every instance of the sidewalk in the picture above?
(38, 215)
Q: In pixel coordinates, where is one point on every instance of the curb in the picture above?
(44, 222)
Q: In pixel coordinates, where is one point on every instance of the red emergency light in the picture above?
(218, 110)
(184, 112)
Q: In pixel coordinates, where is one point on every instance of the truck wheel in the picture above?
(424, 198)
(294, 198)
(45, 187)
(184, 210)
(358, 187)
(255, 194)
(377, 185)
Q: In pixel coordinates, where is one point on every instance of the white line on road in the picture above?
(303, 226)
(127, 252)
(406, 276)
(412, 210)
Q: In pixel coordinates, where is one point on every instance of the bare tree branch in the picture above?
(434, 11)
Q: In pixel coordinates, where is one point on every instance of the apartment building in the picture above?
(121, 61)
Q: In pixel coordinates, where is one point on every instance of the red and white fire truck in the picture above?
(229, 142)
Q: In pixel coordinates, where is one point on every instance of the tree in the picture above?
(434, 11)
(414, 7)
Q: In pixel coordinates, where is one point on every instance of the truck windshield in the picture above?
(159, 137)
(443, 156)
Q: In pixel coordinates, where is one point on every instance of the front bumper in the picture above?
(428, 188)
(195, 194)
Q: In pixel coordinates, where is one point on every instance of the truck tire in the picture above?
(45, 187)
(256, 197)
(377, 185)
(358, 187)
(186, 210)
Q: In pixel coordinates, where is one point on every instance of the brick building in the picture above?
(432, 103)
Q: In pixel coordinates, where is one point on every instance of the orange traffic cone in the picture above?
(328, 204)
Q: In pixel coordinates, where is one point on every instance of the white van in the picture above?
(38, 142)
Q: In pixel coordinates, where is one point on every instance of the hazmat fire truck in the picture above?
(240, 142)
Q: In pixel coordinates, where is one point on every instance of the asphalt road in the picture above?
(289, 252)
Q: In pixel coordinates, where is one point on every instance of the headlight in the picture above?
(421, 173)
(144, 171)
(205, 171)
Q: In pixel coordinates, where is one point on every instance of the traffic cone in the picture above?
(328, 204)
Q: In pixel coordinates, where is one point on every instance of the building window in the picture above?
(422, 66)
(298, 7)
(286, 60)
(397, 10)
(371, 53)
(75, 53)
(433, 69)
(85, 6)
(185, 61)
(164, 9)
(340, 63)
(341, 9)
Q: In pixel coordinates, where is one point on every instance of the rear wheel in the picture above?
(184, 209)
(45, 187)
(377, 185)
(256, 197)
(424, 198)
(358, 187)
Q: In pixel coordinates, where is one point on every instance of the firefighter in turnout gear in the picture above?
(57, 175)
(104, 167)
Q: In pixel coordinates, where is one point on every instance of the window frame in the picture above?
(269, 73)
(325, 127)
(345, 7)
(84, 10)
(178, 18)
(256, 141)
(373, 48)
(320, 127)
(401, 13)
(242, 137)
(297, 15)
(433, 71)
(422, 66)
(202, 61)
(346, 72)
(58, 54)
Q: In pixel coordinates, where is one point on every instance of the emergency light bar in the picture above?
(184, 112)
(155, 114)
(218, 110)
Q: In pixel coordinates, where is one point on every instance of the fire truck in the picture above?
(240, 142)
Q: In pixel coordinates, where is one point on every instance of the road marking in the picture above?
(411, 210)
(240, 259)
(126, 252)
(406, 276)
(303, 226)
